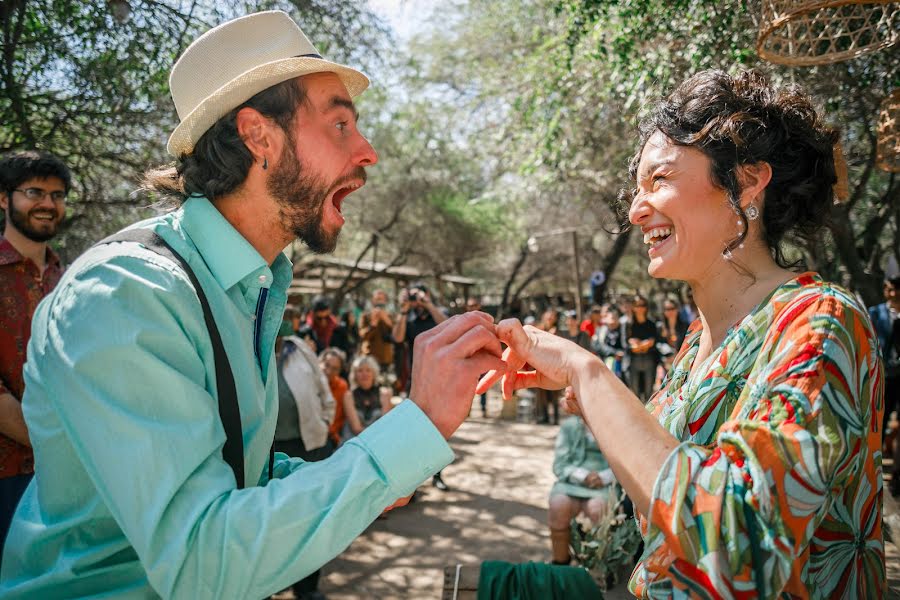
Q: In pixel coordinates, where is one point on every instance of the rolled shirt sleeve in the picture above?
(730, 519)
(131, 404)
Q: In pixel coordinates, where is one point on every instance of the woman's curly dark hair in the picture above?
(744, 120)
(220, 161)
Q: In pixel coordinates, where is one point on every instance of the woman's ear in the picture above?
(259, 134)
(753, 179)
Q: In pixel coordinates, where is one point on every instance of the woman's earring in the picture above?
(752, 212)
(265, 163)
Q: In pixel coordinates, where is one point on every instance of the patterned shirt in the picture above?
(22, 287)
(776, 489)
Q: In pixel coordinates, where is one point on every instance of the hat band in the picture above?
(319, 56)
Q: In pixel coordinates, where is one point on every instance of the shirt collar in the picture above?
(230, 257)
(9, 255)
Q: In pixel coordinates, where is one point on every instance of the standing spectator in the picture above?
(593, 322)
(328, 332)
(417, 315)
(573, 330)
(33, 189)
(366, 402)
(351, 333)
(688, 311)
(333, 362)
(305, 411)
(545, 399)
(294, 316)
(473, 304)
(375, 332)
(642, 338)
(886, 322)
(672, 329)
(609, 342)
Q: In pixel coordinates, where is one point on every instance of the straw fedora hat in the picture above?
(233, 62)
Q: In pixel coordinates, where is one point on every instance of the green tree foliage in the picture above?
(552, 91)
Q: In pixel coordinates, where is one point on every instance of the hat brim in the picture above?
(242, 88)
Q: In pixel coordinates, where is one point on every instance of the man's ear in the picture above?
(4, 201)
(260, 134)
(753, 179)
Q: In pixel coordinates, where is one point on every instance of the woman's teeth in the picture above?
(657, 236)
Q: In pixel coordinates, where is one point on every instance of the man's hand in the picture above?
(447, 362)
(555, 360)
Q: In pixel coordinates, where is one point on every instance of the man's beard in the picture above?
(19, 220)
(301, 198)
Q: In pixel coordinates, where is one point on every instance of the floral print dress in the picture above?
(776, 488)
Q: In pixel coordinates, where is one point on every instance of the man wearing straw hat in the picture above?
(139, 491)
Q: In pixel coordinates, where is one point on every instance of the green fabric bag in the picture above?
(501, 580)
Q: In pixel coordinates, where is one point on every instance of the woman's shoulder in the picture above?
(809, 303)
(809, 293)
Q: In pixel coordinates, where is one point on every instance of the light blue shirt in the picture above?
(131, 496)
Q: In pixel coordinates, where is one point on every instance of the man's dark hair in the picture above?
(18, 167)
(220, 160)
(321, 303)
(894, 281)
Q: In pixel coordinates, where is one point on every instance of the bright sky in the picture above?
(407, 17)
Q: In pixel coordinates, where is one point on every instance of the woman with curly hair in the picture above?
(756, 468)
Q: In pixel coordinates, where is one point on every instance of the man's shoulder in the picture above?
(8, 253)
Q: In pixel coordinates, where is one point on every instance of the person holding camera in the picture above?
(376, 332)
(417, 315)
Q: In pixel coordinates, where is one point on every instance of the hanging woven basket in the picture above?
(888, 148)
(805, 32)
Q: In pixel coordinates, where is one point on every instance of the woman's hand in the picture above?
(554, 359)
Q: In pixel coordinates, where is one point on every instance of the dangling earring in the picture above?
(752, 212)
(265, 163)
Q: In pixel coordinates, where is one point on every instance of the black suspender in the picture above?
(229, 411)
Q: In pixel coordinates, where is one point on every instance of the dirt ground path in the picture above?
(496, 510)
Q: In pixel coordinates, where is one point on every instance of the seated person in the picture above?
(365, 402)
(585, 483)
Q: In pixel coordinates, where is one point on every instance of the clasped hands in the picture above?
(449, 358)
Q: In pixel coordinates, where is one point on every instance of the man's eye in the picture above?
(341, 125)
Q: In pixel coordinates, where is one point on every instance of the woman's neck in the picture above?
(729, 295)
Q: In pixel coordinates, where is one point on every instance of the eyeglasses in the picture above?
(37, 194)
(321, 317)
(640, 306)
(671, 308)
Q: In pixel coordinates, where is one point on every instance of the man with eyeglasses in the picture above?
(33, 198)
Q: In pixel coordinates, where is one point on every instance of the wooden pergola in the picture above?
(317, 274)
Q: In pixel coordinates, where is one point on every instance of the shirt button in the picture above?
(262, 278)
(252, 317)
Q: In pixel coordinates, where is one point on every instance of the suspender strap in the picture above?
(229, 411)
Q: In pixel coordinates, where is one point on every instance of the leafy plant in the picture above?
(604, 548)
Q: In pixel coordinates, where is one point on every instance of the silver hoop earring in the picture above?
(265, 163)
(752, 212)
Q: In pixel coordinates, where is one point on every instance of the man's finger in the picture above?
(477, 338)
(485, 361)
(489, 379)
(455, 327)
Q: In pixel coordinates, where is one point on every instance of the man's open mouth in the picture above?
(337, 198)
